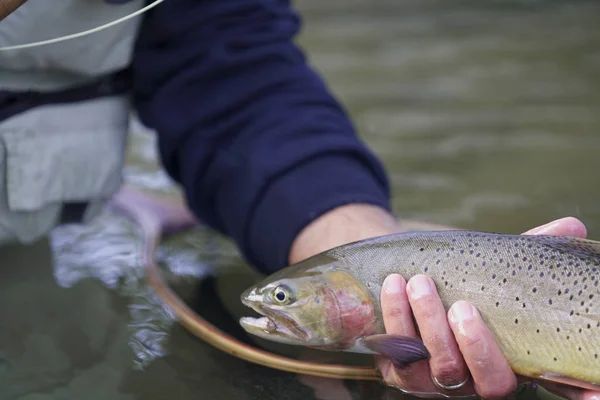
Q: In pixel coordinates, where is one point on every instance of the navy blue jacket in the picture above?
(251, 132)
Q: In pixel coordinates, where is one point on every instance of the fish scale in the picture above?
(558, 330)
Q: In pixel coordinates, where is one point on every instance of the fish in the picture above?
(538, 294)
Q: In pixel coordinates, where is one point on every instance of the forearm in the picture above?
(342, 225)
(350, 223)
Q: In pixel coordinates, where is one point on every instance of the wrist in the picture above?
(339, 226)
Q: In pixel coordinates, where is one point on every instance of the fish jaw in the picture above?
(273, 325)
(267, 328)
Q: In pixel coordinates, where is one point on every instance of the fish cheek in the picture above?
(357, 316)
(330, 323)
(352, 307)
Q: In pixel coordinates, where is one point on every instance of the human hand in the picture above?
(460, 344)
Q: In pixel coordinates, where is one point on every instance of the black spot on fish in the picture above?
(534, 290)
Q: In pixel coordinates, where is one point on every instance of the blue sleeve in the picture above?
(250, 131)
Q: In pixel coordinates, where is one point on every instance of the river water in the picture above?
(485, 114)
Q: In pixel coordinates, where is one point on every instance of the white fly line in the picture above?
(88, 32)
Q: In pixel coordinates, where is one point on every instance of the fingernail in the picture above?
(394, 284)
(461, 311)
(420, 286)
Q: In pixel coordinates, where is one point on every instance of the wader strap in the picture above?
(13, 103)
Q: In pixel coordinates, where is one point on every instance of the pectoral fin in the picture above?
(402, 350)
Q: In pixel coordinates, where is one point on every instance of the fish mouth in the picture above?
(273, 325)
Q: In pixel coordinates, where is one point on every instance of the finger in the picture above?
(491, 373)
(446, 363)
(397, 315)
(567, 226)
(398, 320)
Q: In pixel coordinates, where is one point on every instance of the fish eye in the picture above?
(282, 295)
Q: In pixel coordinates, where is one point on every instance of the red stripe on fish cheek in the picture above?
(355, 316)
(332, 314)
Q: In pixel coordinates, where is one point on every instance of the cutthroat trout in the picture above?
(539, 295)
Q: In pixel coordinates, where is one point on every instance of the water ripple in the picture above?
(109, 250)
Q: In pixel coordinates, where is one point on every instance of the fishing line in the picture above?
(88, 32)
(129, 202)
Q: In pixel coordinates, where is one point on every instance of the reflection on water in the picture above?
(485, 115)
